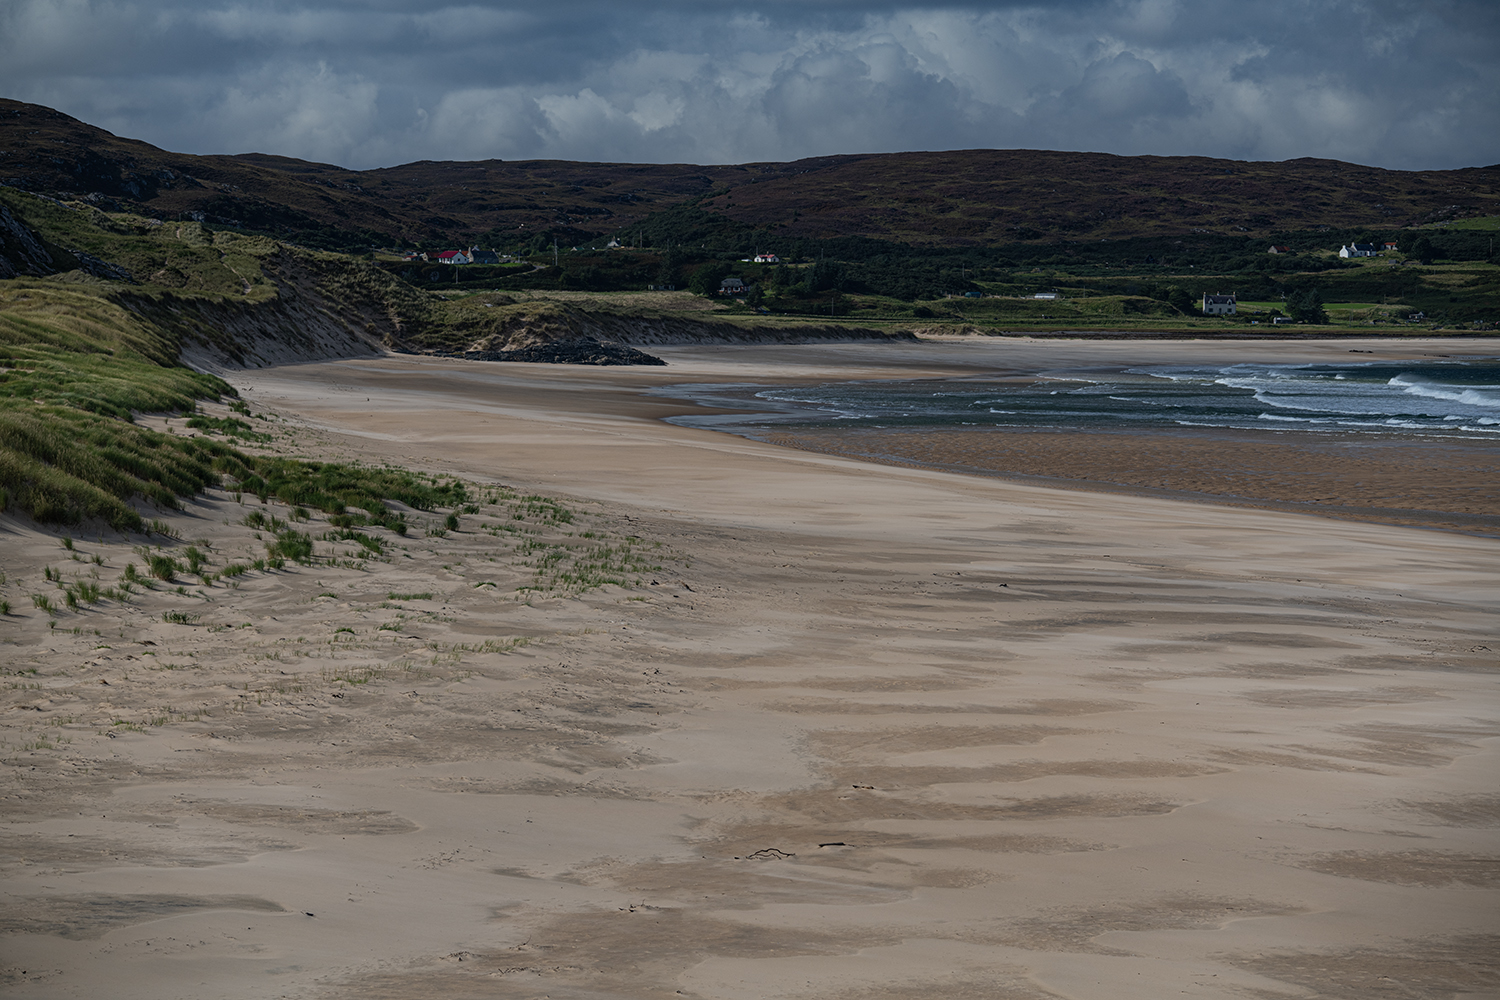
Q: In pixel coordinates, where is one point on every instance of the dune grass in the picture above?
(75, 369)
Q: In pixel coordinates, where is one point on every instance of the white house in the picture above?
(1218, 305)
(767, 258)
(1358, 250)
(1045, 295)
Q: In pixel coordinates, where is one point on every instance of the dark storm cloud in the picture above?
(366, 83)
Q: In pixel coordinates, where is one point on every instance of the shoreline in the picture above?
(1438, 481)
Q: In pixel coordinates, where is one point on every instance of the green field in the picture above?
(1485, 223)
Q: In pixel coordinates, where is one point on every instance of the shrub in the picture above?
(1307, 307)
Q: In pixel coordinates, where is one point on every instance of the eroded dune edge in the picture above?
(675, 713)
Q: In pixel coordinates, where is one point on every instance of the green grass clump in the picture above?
(334, 488)
(291, 544)
(389, 520)
(195, 559)
(81, 592)
(372, 545)
(228, 426)
(425, 595)
(262, 521)
(163, 567)
(547, 510)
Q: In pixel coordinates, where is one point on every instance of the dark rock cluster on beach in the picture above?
(571, 352)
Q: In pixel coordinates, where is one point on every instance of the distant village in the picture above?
(1211, 303)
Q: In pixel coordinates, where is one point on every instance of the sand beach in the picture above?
(850, 729)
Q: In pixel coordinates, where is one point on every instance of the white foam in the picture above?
(1486, 398)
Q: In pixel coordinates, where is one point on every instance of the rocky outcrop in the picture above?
(101, 268)
(26, 253)
(570, 352)
(23, 253)
(537, 324)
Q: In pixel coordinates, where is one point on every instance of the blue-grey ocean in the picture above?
(1450, 399)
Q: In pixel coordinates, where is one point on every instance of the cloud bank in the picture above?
(367, 83)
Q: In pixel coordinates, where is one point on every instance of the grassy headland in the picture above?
(82, 355)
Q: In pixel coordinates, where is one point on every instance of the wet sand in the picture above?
(852, 730)
(1430, 483)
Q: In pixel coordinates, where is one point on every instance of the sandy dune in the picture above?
(860, 731)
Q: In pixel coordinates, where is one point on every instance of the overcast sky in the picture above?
(367, 83)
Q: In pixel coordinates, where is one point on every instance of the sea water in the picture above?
(1440, 398)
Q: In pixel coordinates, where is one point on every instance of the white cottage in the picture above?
(1218, 305)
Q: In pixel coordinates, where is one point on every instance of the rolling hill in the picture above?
(955, 199)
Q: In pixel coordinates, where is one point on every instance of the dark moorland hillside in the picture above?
(953, 199)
